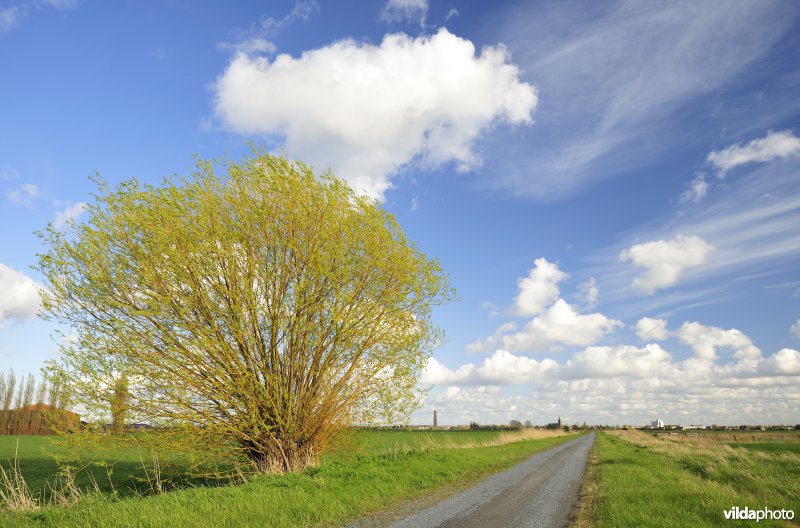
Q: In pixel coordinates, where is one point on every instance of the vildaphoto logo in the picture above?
(746, 514)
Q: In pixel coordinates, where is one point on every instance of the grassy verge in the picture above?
(640, 480)
(334, 493)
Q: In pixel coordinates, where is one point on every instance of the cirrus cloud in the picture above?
(410, 10)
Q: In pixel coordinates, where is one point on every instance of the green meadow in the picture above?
(367, 472)
(637, 479)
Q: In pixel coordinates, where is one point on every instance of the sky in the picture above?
(612, 187)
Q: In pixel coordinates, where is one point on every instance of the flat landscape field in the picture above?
(366, 472)
(639, 479)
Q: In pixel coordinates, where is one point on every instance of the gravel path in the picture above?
(540, 492)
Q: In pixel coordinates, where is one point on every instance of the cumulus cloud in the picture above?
(366, 110)
(20, 299)
(560, 324)
(785, 361)
(627, 361)
(665, 260)
(501, 368)
(795, 329)
(705, 340)
(70, 214)
(539, 289)
(408, 10)
(24, 194)
(648, 329)
(773, 146)
(620, 385)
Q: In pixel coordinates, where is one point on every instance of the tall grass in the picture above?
(435, 441)
(336, 492)
(638, 479)
(15, 494)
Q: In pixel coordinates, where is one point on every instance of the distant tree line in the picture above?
(31, 406)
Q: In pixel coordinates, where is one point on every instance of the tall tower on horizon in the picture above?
(435, 419)
(559, 421)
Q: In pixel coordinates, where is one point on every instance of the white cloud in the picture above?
(627, 361)
(775, 145)
(705, 340)
(752, 224)
(648, 329)
(70, 214)
(409, 10)
(560, 324)
(539, 289)
(491, 342)
(785, 361)
(20, 298)
(501, 368)
(665, 260)
(590, 291)
(24, 194)
(11, 16)
(253, 45)
(625, 384)
(257, 39)
(9, 174)
(695, 190)
(365, 110)
(615, 75)
(795, 329)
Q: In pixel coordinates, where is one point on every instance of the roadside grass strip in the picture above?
(338, 491)
(637, 479)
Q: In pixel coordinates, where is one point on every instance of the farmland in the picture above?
(367, 472)
(638, 479)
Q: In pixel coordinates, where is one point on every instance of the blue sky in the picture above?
(613, 188)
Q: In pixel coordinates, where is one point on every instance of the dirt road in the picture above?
(540, 492)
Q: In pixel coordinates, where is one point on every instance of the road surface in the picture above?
(540, 492)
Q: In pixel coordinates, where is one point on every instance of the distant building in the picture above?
(435, 419)
(658, 424)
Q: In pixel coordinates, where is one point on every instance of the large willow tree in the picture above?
(262, 309)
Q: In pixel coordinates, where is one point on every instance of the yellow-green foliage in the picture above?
(257, 312)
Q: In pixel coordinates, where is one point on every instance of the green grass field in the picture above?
(371, 470)
(127, 467)
(637, 479)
